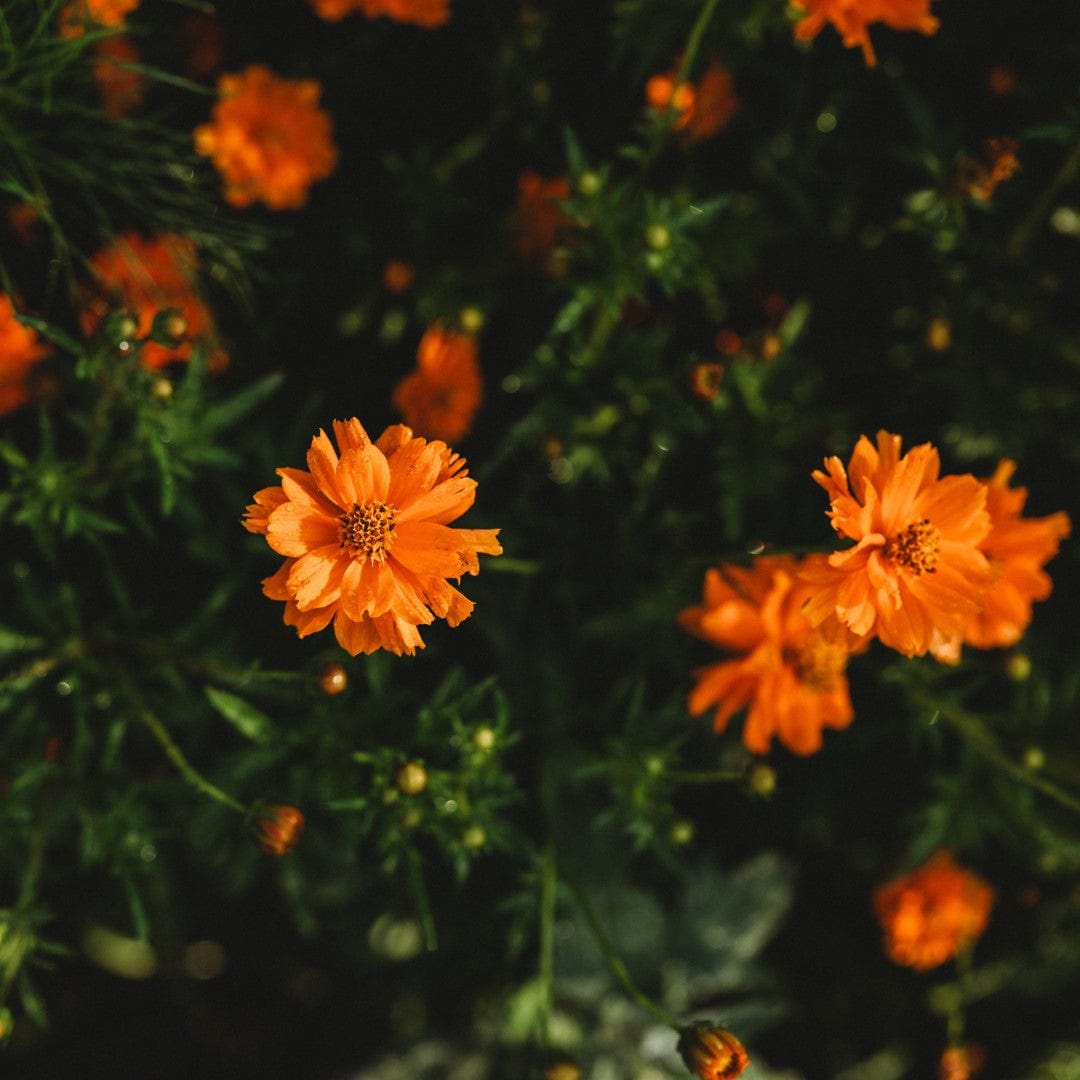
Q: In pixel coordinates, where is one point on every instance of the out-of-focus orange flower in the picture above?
(706, 379)
(916, 575)
(729, 342)
(961, 1062)
(144, 277)
(121, 88)
(366, 538)
(278, 829)
(24, 218)
(538, 218)
(789, 675)
(440, 398)
(75, 17)
(932, 913)
(268, 138)
(20, 350)
(703, 108)
(1001, 80)
(398, 276)
(204, 37)
(851, 18)
(427, 13)
(1017, 548)
(978, 177)
(712, 1052)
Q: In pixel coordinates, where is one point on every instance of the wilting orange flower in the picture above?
(788, 674)
(74, 17)
(915, 576)
(712, 1052)
(960, 1062)
(278, 829)
(538, 218)
(428, 13)
(145, 277)
(20, 350)
(704, 107)
(121, 87)
(852, 18)
(978, 177)
(932, 913)
(441, 396)
(268, 138)
(366, 538)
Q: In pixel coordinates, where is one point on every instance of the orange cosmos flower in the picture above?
(366, 538)
(278, 829)
(788, 674)
(75, 17)
(916, 575)
(852, 17)
(20, 351)
(961, 1062)
(398, 276)
(268, 138)
(978, 178)
(427, 13)
(121, 87)
(712, 1052)
(703, 108)
(538, 218)
(144, 277)
(932, 913)
(441, 397)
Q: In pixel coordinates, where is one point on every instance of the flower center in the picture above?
(916, 548)
(819, 662)
(368, 530)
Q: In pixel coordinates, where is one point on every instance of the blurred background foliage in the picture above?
(832, 255)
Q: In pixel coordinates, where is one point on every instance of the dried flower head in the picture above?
(440, 398)
(426, 13)
(278, 829)
(916, 574)
(929, 915)
(852, 18)
(789, 675)
(268, 138)
(712, 1052)
(367, 540)
(145, 277)
(20, 351)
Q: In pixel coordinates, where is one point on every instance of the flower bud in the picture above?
(657, 237)
(411, 778)
(474, 838)
(278, 829)
(333, 679)
(761, 779)
(484, 738)
(711, 1052)
(563, 1070)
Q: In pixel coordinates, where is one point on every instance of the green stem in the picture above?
(1022, 234)
(693, 42)
(546, 962)
(713, 776)
(420, 899)
(616, 964)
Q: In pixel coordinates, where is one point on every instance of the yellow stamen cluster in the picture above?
(368, 530)
(819, 662)
(916, 548)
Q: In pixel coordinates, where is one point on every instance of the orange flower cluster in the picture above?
(440, 398)
(538, 218)
(426, 13)
(920, 576)
(851, 18)
(789, 675)
(978, 177)
(712, 1052)
(929, 915)
(75, 17)
(20, 350)
(121, 88)
(366, 538)
(703, 108)
(268, 138)
(145, 277)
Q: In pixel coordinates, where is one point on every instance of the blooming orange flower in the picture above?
(788, 674)
(538, 218)
(121, 87)
(915, 575)
(427, 13)
(278, 829)
(268, 138)
(978, 177)
(704, 108)
(932, 913)
(20, 350)
(74, 17)
(144, 277)
(712, 1052)
(852, 18)
(366, 538)
(441, 396)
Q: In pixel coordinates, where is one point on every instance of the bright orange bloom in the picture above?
(788, 674)
(20, 350)
(268, 138)
(121, 88)
(932, 913)
(145, 277)
(852, 18)
(978, 177)
(960, 1062)
(712, 1052)
(74, 17)
(427, 13)
(366, 538)
(441, 396)
(538, 218)
(278, 829)
(915, 576)
(704, 107)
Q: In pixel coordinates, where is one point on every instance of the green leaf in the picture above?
(51, 333)
(234, 409)
(11, 641)
(249, 721)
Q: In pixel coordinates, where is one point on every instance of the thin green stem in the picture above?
(615, 962)
(546, 961)
(711, 776)
(420, 899)
(693, 42)
(1023, 232)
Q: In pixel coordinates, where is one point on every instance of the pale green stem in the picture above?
(693, 42)
(546, 962)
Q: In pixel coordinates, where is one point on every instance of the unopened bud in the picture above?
(711, 1052)
(657, 237)
(278, 829)
(333, 679)
(411, 778)
(761, 779)
(471, 319)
